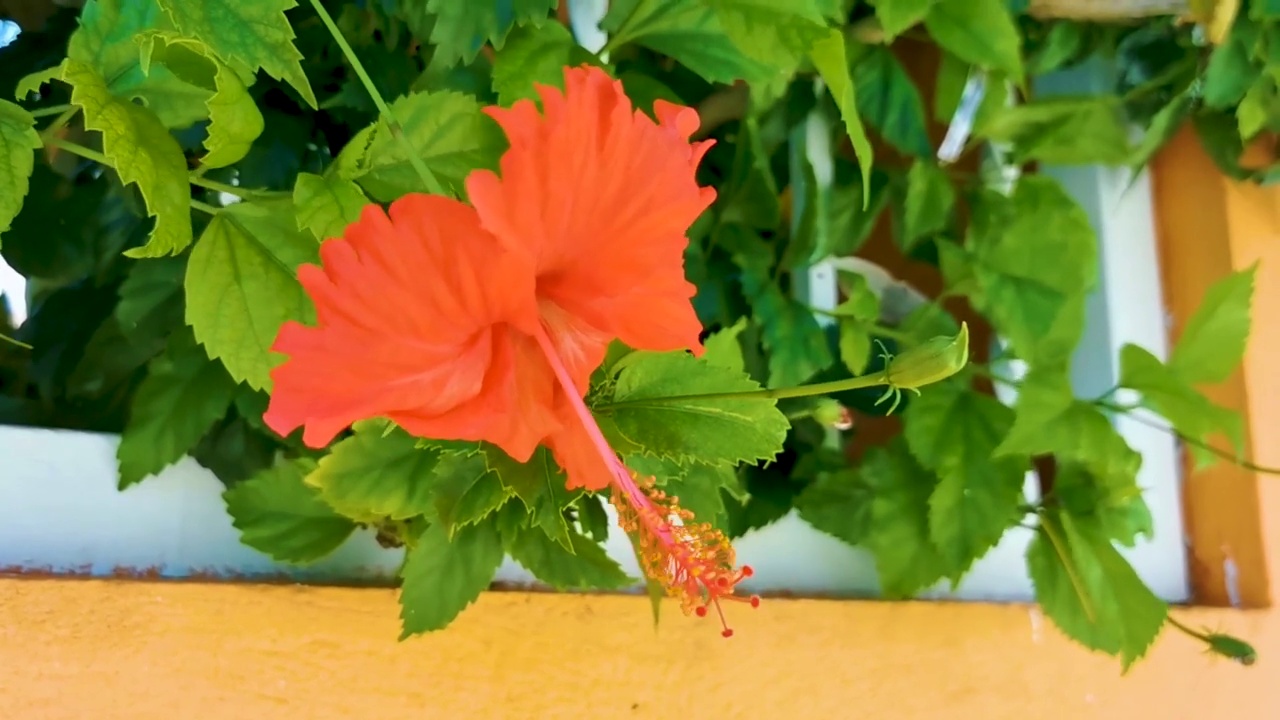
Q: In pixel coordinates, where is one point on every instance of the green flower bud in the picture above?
(929, 362)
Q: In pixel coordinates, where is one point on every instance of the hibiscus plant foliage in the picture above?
(168, 166)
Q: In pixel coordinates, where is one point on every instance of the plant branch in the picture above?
(76, 149)
(14, 341)
(203, 207)
(1107, 10)
(826, 388)
(242, 193)
(68, 112)
(53, 110)
(428, 179)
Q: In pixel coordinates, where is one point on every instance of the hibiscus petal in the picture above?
(600, 197)
(416, 315)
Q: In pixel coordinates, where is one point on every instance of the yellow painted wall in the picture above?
(143, 650)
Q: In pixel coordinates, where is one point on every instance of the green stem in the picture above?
(428, 179)
(1185, 630)
(826, 388)
(80, 150)
(59, 122)
(52, 110)
(242, 193)
(203, 207)
(873, 328)
(14, 341)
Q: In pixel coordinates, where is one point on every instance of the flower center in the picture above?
(692, 560)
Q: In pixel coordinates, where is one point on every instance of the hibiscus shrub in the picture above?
(466, 272)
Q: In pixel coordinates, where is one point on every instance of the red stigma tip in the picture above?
(726, 633)
(755, 601)
(747, 571)
(701, 611)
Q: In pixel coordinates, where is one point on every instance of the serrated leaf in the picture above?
(585, 567)
(241, 285)
(1231, 70)
(18, 143)
(907, 560)
(981, 32)
(1167, 393)
(442, 575)
(832, 61)
(1212, 344)
(776, 34)
(446, 129)
(1090, 591)
(895, 16)
(540, 485)
(930, 201)
(378, 474)
(1164, 125)
(535, 54)
(889, 101)
(857, 315)
(466, 491)
(247, 35)
(151, 295)
(33, 82)
(954, 431)
(327, 205)
(797, 346)
(105, 43)
(838, 504)
(1038, 306)
(1049, 420)
(142, 152)
(1064, 130)
(234, 119)
(592, 517)
(280, 515)
(462, 28)
(724, 349)
(182, 396)
(1114, 502)
(712, 431)
(687, 30)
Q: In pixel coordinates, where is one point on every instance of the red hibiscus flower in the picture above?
(485, 321)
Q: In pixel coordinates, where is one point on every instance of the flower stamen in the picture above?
(693, 561)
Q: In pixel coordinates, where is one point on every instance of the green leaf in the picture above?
(442, 575)
(954, 431)
(105, 42)
(898, 535)
(697, 488)
(724, 349)
(234, 119)
(377, 474)
(18, 141)
(776, 34)
(929, 204)
(857, 315)
(1064, 130)
(540, 485)
(713, 431)
(247, 35)
(241, 285)
(1164, 125)
(687, 30)
(980, 32)
(31, 84)
(280, 515)
(466, 491)
(797, 346)
(889, 101)
(895, 16)
(327, 205)
(150, 296)
(462, 28)
(1258, 108)
(1039, 306)
(446, 129)
(1049, 420)
(535, 55)
(1090, 591)
(585, 566)
(183, 395)
(1168, 394)
(592, 517)
(1212, 344)
(832, 61)
(838, 504)
(1231, 70)
(142, 152)
(1114, 502)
